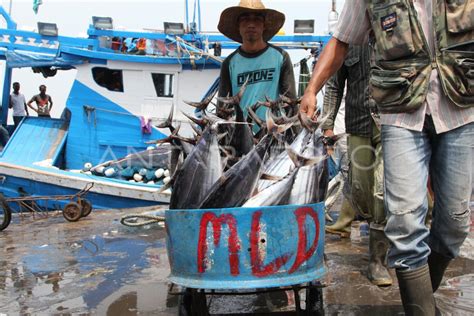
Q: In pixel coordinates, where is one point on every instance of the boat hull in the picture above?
(105, 194)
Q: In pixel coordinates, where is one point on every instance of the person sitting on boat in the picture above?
(18, 104)
(267, 69)
(44, 103)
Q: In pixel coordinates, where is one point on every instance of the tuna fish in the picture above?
(281, 165)
(201, 169)
(240, 139)
(279, 192)
(311, 182)
(239, 182)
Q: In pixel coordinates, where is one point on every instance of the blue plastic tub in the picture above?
(246, 248)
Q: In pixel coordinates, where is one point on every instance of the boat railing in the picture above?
(34, 42)
(189, 47)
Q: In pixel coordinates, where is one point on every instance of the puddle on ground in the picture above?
(50, 266)
(456, 297)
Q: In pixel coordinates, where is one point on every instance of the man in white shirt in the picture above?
(18, 104)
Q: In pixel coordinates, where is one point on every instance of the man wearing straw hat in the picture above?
(267, 69)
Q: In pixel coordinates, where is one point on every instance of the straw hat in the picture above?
(229, 21)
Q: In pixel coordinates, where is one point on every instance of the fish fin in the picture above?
(226, 100)
(203, 104)
(196, 130)
(201, 123)
(301, 161)
(255, 192)
(165, 187)
(168, 139)
(308, 123)
(222, 136)
(184, 139)
(266, 176)
(224, 162)
(242, 89)
(169, 121)
(275, 129)
(290, 101)
(255, 117)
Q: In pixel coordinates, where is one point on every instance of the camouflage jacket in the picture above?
(403, 61)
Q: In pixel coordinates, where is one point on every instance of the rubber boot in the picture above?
(342, 226)
(416, 292)
(438, 264)
(377, 272)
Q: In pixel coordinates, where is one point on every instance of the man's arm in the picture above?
(50, 103)
(10, 104)
(26, 108)
(287, 84)
(225, 85)
(334, 93)
(329, 62)
(287, 78)
(29, 104)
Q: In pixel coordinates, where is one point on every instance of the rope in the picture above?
(200, 53)
(132, 220)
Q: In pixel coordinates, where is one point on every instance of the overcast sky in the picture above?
(74, 16)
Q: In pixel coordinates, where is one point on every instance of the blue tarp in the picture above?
(31, 59)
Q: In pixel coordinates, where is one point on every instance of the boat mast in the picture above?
(199, 14)
(333, 18)
(7, 78)
(187, 15)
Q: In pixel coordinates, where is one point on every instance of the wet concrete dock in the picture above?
(97, 266)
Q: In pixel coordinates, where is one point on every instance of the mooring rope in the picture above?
(133, 220)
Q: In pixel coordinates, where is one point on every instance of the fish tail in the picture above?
(274, 128)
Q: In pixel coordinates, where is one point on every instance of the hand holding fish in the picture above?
(308, 103)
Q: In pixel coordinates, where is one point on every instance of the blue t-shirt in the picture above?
(269, 74)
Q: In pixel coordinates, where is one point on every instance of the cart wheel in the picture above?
(5, 214)
(72, 212)
(314, 300)
(193, 303)
(86, 207)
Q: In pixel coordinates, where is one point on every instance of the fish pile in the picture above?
(233, 161)
(228, 165)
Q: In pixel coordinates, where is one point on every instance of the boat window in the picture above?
(163, 85)
(111, 79)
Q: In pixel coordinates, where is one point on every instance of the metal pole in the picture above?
(10, 8)
(199, 13)
(6, 94)
(187, 15)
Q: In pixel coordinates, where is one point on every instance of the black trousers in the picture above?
(17, 120)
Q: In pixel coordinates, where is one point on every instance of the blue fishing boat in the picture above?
(126, 84)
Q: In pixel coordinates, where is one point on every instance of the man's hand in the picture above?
(308, 104)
